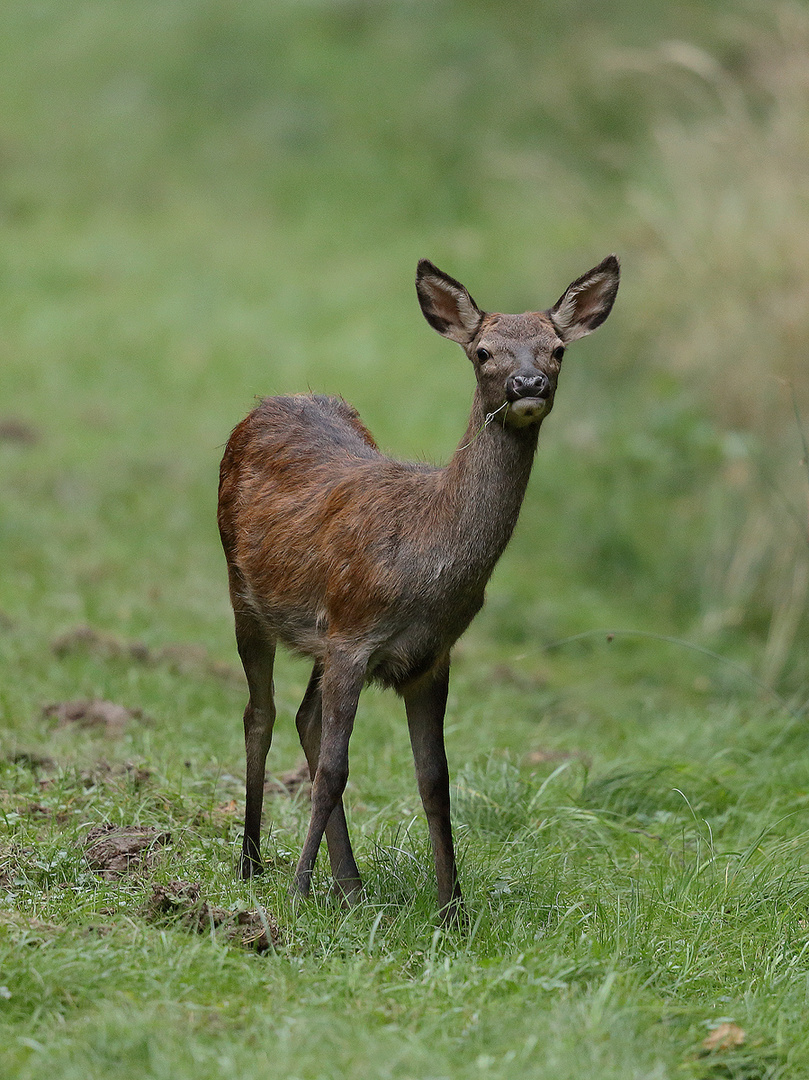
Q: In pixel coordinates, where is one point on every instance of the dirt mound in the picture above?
(93, 713)
(182, 902)
(183, 659)
(112, 851)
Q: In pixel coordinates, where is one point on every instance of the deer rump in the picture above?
(333, 538)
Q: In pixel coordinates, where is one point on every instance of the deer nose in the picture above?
(521, 386)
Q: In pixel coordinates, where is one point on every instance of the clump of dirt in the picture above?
(291, 782)
(86, 639)
(181, 659)
(14, 430)
(102, 773)
(93, 713)
(112, 851)
(251, 930)
(182, 901)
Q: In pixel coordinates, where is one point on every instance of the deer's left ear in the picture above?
(446, 304)
(586, 302)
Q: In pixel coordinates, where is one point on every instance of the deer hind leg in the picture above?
(340, 687)
(426, 703)
(347, 883)
(257, 652)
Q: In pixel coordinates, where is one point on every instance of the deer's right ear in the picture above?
(446, 304)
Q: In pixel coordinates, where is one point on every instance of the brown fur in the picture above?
(373, 567)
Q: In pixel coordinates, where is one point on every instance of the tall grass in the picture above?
(726, 254)
(723, 246)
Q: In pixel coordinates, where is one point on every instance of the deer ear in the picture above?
(586, 302)
(446, 304)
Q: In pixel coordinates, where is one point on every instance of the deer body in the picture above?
(373, 568)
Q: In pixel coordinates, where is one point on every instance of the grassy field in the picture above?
(202, 202)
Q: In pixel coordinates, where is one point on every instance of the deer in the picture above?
(373, 568)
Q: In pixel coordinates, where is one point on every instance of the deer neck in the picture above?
(484, 486)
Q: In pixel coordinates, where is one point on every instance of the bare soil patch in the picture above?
(112, 851)
(182, 902)
(93, 713)
(183, 659)
(102, 772)
(15, 430)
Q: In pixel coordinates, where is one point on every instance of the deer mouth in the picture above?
(528, 410)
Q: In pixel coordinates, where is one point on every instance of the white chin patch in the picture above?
(527, 410)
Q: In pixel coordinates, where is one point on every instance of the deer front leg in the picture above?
(426, 702)
(340, 690)
(347, 883)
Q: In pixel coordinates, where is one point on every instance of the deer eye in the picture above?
(483, 354)
(558, 353)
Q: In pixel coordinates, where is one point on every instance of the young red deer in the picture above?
(373, 568)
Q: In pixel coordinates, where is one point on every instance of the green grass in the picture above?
(204, 202)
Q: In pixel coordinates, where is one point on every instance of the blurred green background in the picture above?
(203, 201)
